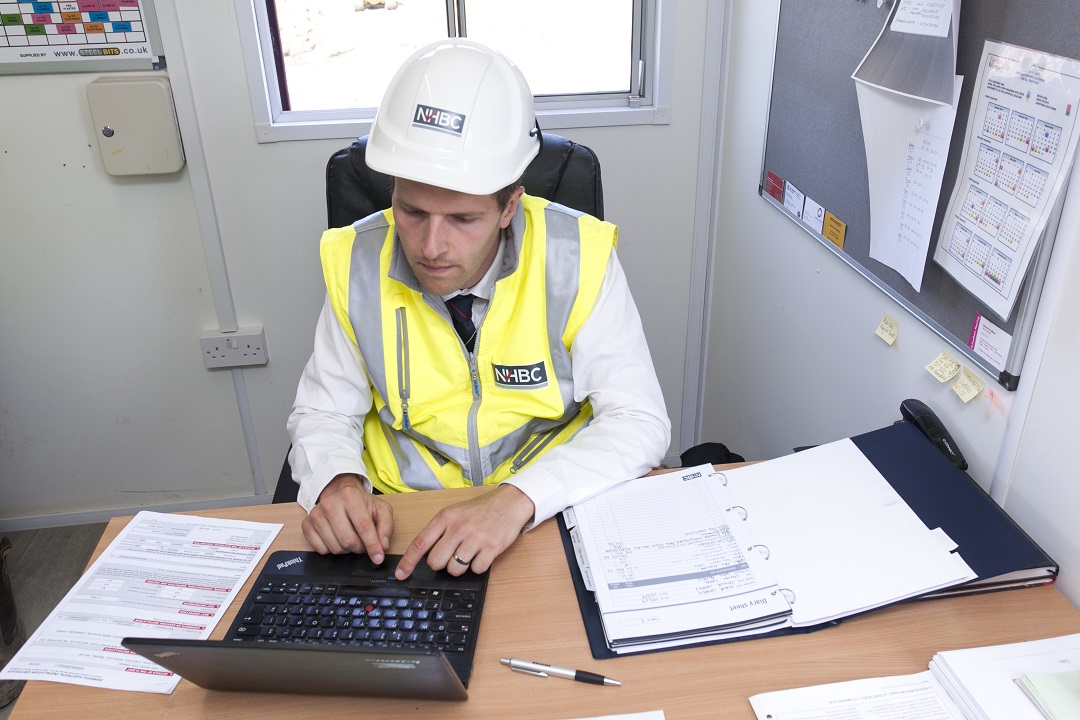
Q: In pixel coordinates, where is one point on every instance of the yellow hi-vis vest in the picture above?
(445, 417)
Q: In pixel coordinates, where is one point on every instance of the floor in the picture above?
(43, 566)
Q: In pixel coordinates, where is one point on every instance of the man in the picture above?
(471, 334)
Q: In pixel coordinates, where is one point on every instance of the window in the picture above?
(318, 68)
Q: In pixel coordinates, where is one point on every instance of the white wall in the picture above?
(103, 289)
(793, 358)
(1043, 490)
(105, 405)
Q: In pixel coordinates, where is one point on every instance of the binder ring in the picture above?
(741, 509)
(763, 549)
(789, 595)
(722, 476)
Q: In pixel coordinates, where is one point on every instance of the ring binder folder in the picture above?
(825, 537)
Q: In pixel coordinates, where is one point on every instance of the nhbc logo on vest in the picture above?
(521, 377)
(438, 119)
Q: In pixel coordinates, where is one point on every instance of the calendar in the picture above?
(974, 204)
(1018, 135)
(996, 121)
(1021, 137)
(1032, 182)
(992, 216)
(986, 163)
(958, 244)
(978, 250)
(1013, 229)
(996, 269)
(1044, 143)
(1010, 170)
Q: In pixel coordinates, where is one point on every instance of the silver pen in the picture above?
(542, 670)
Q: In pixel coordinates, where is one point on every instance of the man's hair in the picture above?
(503, 196)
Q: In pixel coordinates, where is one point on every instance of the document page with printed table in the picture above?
(668, 565)
(802, 541)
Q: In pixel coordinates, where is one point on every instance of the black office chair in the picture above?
(565, 172)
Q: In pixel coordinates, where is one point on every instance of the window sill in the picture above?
(340, 125)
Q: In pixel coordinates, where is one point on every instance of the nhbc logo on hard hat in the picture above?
(438, 119)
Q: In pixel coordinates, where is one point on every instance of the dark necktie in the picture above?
(460, 307)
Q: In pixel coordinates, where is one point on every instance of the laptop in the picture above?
(339, 625)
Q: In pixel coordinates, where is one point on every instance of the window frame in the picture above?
(654, 45)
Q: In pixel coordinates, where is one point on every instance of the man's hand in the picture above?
(348, 518)
(470, 534)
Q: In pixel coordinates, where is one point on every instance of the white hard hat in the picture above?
(456, 115)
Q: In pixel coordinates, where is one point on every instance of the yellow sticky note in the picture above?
(887, 329)
(968, 385)
(944, 367)
(834, 230)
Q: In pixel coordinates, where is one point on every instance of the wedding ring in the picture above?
(463, 562)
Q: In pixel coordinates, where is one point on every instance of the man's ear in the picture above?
(511, 207)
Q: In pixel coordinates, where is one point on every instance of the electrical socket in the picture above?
(246, 346)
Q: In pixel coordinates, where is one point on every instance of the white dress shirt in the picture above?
(612, 368)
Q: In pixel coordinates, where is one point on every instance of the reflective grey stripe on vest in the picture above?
(364, 301)
(563, 270)
(365, 314)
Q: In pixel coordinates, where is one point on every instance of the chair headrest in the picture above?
(565, 172)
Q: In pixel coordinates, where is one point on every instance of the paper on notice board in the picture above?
(923, 17)
(907, 145)
(990, 341)
(813, 215)
(1021, 139)
(914, 65)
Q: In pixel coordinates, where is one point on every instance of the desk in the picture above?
(531, 612)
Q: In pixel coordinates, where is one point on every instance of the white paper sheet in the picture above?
(676, 566)
(907, 145)
(840, 538)
(820, 532)
(1021, 140)
(982, 680)
(923, 17)
(164, 576)
(903, 696)
(910, 63)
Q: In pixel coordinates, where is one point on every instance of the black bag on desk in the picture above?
(713, 453)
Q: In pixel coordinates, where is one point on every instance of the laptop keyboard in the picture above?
(288, 611)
